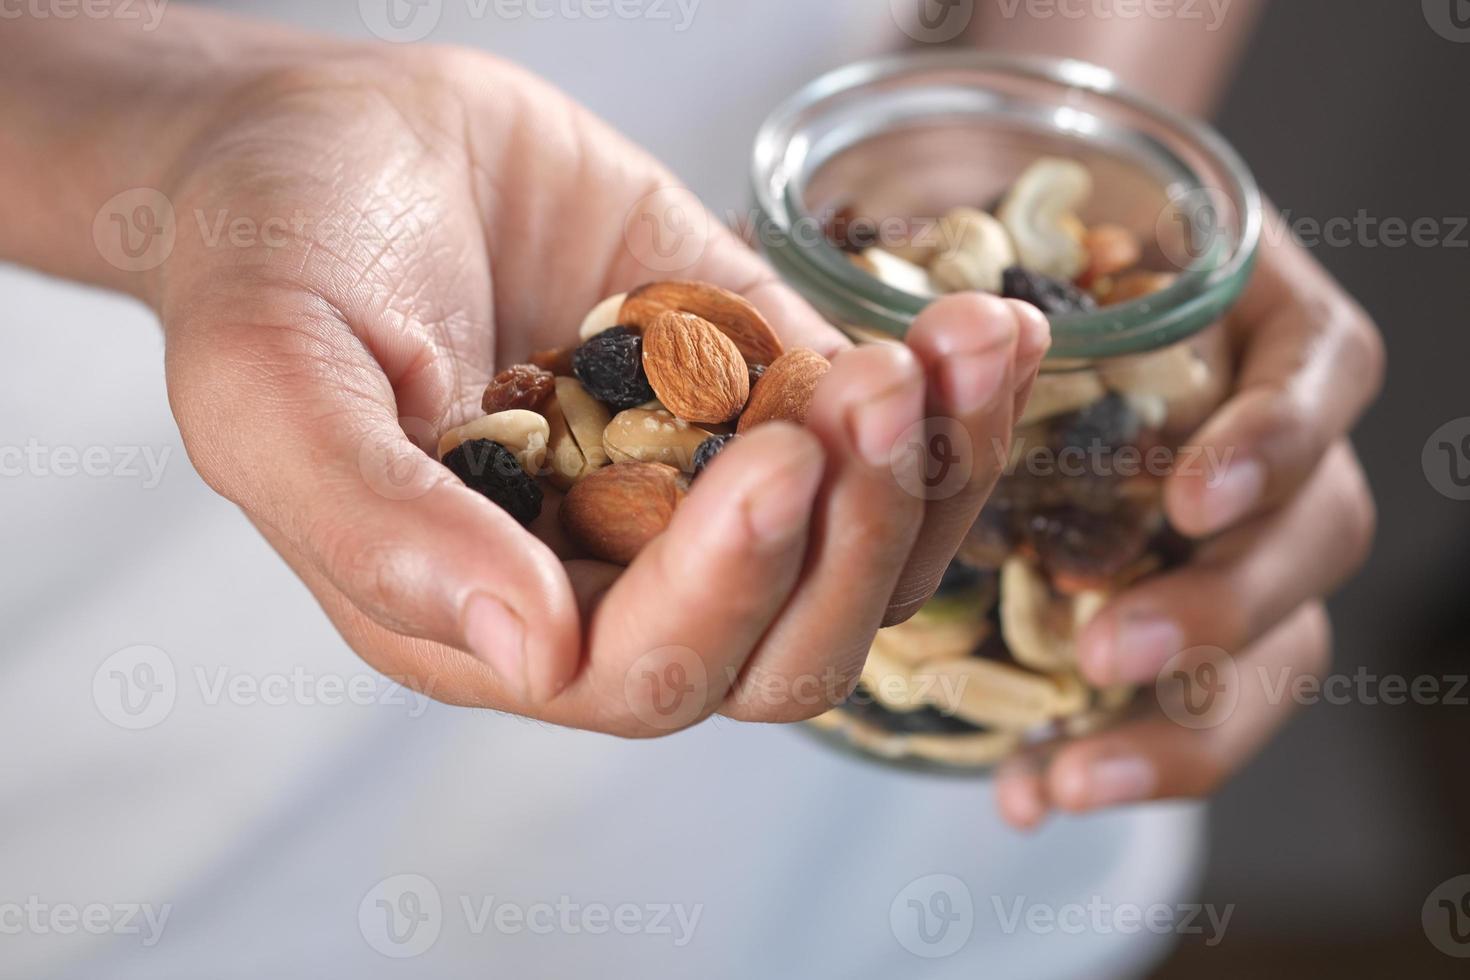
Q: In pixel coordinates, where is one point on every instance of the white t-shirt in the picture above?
(199, 779)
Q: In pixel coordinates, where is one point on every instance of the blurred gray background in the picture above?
(1331, 842)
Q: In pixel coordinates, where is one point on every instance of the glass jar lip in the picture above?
(1198, 297)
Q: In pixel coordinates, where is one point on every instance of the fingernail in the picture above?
(875, 426)
(1143, 645)
(782, 507)
(1235, 495)
(1119, 779)
(497, 636)
(1035, 330)
(973, 381)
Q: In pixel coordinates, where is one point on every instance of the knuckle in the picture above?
(1358, 513)
(1365, 351)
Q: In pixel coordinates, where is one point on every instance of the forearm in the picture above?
(91, 107)
(1178, 51)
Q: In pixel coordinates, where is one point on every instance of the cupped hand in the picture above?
(365, 237)
(1289, 519)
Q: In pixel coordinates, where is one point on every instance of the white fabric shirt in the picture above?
(199, 779)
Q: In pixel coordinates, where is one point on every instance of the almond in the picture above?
(696, 371)
(784, 392)
(731, 313)
(613, 513)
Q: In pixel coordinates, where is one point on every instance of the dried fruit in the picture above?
(1111, 249)
(557, 360)
(1053, 297)
(523, 433)
(864, 706)
(522, 386)
(492, 469)
(708, 450)
(850, 231)
(696, 370)
(1136, 285)
(1085, 549)
(604, 316)
(785, 391)
(613, 513)
(610, 367)
(732, 314)
(1107, 424)
(653, 436)
(994, 695)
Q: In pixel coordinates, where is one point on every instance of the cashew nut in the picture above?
(524, 433)
(587, 418)
(977, 249)
(1040, 629)
(1058, 392)
(893, 271)
(996, 695)
(1040, 213)
(604, 316)
(1189, 387)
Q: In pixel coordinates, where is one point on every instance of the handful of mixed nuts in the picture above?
(665, 377)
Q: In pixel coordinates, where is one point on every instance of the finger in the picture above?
(1020, 791)
(979, 355)
(1240, 585)
(295, 424)
(1313, 361)
(698, 598)
(1156, 757)
(864, 528)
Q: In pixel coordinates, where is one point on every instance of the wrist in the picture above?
(97, 120)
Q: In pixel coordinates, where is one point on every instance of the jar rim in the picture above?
(1201, 293)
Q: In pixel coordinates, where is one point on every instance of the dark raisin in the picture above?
(1052, 296)
(610, 367)
(493, 470)
(708, 450)
(959, 577)
(1108, 424)
(757, 371)
(926, 721)
(851, 231)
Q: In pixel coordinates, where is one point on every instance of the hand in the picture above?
(439, 215)
(1290, 520)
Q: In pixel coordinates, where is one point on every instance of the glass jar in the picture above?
(989, 664)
